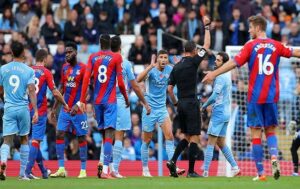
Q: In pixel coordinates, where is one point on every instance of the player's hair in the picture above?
(162, 52)
(115, 43)
(40, 55)
(17, 49)
(71, 44)
(224, 56)
(258, 21)
(104, 42)
(189, 47)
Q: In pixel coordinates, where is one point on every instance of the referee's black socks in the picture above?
(193, 151)
(179, 148)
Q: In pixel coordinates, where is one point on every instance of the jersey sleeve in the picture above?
(199, 57)
(50, 80)
(1, 82)
(31, 77)
(243, 56)
(129, 71)
(284, 50)
(218, 86)
(172, 80)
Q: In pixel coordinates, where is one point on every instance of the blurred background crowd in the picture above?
(44, 23)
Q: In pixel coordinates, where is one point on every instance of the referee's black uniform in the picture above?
(184, 76)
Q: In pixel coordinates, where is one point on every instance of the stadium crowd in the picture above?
(39, 23)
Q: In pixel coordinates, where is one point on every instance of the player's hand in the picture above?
(153, 61)
(82, 107)
(148, 109)
(53, 115)
(208, 78)
(35, 117)
(74, 110)
(206, 20)
(127, 103)
(67, 108)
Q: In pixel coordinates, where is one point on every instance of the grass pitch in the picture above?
(152, 183)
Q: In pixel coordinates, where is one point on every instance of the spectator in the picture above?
(136, 140)
(125, 27)
(217, 36)
(42, 43)
(245, 7)
(106, 5)
(36, 8)
(46, 7)
(72, 31)
(104, 25)
(119, 11)
(294, 36)
(178, 18)
(191, 26)
(151, 46)
(146, 25)
(79, 7)
(59, 60)
(24, 15)
(237, 29)
(174, 45)
(62, 12)
(138, 10)
(173, 8)
(51, 31)
(163, 22)
(4, 4)
(7, 22)
(276, 35)
(138, 52)
(33, 33)
(128, 150)
(154, 11)
(82, 18)
(90, 32)
(83, 53)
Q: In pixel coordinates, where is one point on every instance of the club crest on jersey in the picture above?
(78, 72)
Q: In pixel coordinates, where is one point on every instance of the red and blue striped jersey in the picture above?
(106, 68)
(43, 79)
(263, 56)
(71, 81)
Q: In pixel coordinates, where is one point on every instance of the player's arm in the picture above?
(296, 53)
(120, 78)
(143, 75)
(32, 96)
(172, 95)
(1, 93)
(136, 88)
(85, 84)
(216, 91)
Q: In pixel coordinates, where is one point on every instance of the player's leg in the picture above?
(64, 120)
(10, 128)
(24, 129)
(295, 146)
(271, 121)
(79, 123)
(99, 112)
(255, 120)
(110, 119)
(38, 132)
(148, 124)
(226, 150)
(123, 124)
(147, 137)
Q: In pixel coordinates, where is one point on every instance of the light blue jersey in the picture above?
(156, 87)
(221, 107)
(128, 75)
(14, 77)
(123, 113)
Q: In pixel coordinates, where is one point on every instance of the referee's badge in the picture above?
(201, 53)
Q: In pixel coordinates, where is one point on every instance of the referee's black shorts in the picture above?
(189, 116)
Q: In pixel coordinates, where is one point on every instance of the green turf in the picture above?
(153, 183)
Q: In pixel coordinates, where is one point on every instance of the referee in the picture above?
(184, 76)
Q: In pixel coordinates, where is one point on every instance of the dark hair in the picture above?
(40, 55)
(11, 18)
(224, 56)
(104, 42)
(71, 44)
(162, 52)
(258, 21)
(17, 49)
(115, 43)
(190, 46)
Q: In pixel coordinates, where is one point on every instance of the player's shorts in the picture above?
(16, 121)
(189, 116)
(123, 116)
(156, 116)
(76, 123)
(262, 115)
(38, 130)
(217, 128)
(106, 115)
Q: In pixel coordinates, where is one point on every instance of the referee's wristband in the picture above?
(207, 27)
